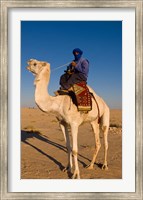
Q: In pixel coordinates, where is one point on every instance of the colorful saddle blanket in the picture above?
(83, 97)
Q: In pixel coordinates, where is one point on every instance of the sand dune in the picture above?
(44, 155)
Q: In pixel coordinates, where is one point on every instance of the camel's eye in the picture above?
(34, 64)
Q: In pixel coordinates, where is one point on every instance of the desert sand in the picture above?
(44, 154)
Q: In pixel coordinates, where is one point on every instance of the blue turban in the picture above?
(78, 50)
(77, 57)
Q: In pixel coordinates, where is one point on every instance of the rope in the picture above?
(97, 107)
(60, 67)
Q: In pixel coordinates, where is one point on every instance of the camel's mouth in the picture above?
(30, 70)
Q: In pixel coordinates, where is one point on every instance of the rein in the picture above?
(97, 108)
(60, 67)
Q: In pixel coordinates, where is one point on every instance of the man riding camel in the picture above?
(76, 72)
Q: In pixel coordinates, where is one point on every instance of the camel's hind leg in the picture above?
(105, 132)
(105, 129)
(95, 127)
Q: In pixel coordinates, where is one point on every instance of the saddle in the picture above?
(80, 96)
(83, 96)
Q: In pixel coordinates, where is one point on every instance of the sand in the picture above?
(44, 155)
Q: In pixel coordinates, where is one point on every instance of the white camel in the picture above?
(68, 115)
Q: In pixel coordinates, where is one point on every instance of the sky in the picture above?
(54, 41)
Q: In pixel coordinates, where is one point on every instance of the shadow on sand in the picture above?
(25, 135)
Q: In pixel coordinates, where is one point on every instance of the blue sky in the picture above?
(53, 41)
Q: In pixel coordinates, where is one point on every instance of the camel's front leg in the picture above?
(74, 131)
(64, 128)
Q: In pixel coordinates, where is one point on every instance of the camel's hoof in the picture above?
(89, 166)
(104, 167)
(67, 169)
(76, 176)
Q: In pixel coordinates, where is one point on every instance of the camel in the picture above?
(68, 115)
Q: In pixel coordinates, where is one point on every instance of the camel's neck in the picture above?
(41, 93)
(42, 98)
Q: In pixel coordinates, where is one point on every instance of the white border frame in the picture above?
(127, 183)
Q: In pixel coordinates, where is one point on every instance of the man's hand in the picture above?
(73, 64)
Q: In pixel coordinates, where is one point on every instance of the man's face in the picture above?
(76, 53)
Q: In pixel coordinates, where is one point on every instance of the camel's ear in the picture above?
(32, 59)
(44, 64)
(47, 65)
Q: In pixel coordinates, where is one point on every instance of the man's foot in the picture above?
(70, 89)
(56, 93)
(61, 92)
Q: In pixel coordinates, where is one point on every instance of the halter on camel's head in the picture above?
(36, 66)
(39, 69)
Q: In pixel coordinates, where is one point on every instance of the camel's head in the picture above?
(36, 67)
